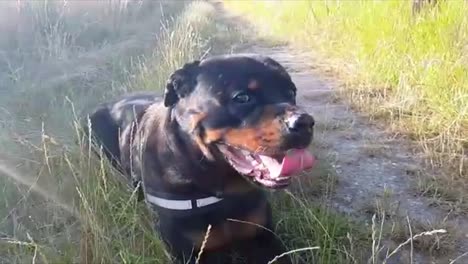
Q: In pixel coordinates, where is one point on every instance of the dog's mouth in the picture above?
(270, 171)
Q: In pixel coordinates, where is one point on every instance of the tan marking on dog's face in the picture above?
(263, 136)
(253, 84)
(194, 124)
(195, 120)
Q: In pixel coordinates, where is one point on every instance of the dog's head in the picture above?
(242, 109)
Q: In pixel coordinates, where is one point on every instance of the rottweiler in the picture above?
(225, 131)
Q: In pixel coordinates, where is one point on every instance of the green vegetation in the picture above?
(59, 204)
(409, 71)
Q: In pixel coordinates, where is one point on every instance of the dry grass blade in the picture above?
(254, 224)
(459, 257)
(411, 235)
(427, 233)
(292, 252)
(31, 244)
(202, 248)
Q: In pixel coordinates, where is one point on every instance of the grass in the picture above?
(58, 203)
(304, 224)
(409, 72)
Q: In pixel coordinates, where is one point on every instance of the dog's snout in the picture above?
(301, 122)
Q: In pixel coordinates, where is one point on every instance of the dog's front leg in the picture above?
(265, 246)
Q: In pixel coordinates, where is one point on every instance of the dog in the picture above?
(226, 130)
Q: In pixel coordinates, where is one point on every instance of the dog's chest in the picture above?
(230, 230)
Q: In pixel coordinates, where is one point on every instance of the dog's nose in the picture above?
(300, 122)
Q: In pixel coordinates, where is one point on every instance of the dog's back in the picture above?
(109, 120)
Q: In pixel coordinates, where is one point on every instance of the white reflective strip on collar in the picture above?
(181, 204)
(207, 201)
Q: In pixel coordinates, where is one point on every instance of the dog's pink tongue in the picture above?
(295, 161)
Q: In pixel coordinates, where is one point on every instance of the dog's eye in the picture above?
(292, 93)
(242, 98)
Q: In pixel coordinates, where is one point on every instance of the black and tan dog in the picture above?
(225, 126)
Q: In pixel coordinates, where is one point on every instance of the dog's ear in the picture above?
(275, 65)
(181, 83)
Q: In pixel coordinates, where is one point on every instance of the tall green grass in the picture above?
(58, 203)
(410, 71)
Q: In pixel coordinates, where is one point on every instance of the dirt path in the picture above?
(374, 171)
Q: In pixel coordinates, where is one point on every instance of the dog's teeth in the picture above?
(250, 158)
(253, 160)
